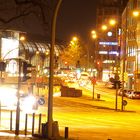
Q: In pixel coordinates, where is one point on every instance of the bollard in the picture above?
(11, 118)
(39, 123)
(26, 118)
(44, 130)
(33, 123)
(66, 132)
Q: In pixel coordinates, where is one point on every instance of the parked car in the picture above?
(109, 85)
(84, 76)
(120, 92)
(133, 94)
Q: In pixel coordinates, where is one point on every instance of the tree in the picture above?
(20, 13)
(74, 53)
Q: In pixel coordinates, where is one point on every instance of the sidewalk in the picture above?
(11, 136)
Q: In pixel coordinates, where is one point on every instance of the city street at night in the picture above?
(69, 69)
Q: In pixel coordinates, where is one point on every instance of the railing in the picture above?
(30, 123)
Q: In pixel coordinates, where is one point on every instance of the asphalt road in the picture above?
(89, 119)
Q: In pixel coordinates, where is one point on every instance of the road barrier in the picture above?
(70, 92)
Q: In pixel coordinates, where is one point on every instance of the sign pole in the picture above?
(93, 93)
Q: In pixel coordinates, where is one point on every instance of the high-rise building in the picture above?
(107, 44)
(130, 45)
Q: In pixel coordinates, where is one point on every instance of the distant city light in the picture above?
(109, 33)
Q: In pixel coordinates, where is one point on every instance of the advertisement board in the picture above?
(9, 48)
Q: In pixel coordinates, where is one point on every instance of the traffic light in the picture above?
(98, 63)
(78, 64)
(26, 71)
(2, 66)
(115, 82)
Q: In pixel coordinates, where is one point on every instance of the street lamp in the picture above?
(113, 23)
(104, 27)
(51, 69)
(21, 38)
(135, 13)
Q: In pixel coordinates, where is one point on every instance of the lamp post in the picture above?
(113, 23)
(22, 38)
(51, 69)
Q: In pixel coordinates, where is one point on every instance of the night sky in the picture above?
(76, 17)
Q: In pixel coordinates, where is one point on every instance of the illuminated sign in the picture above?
(108, 61)
(109, 43)
(111, 52)
(103, 52)
(10, 48)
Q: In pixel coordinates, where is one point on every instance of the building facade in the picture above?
(130, 46)
(107, 45)
(36, 53)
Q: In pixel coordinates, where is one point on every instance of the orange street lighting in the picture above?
(74, 38)
(93, 32)
(37, 52)
(94, 36)
(47, 52)
(112, 21)
(136, 13)
(104, 27)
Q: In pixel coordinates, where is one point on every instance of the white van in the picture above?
(84, 76)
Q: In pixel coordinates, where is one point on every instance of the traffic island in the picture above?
(70, 92)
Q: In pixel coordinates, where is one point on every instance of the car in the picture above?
(133, 94)
(121, 91)
(84, 76)
(109, 85)
(126, 92)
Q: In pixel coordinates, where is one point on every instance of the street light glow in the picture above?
(93, 32)
(22, 38)
(104, 27)
(94, 36)
(74, 38)
(136, 13)
(112, 21)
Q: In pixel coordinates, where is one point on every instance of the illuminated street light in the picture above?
(104, 27)
(22, 38)
(93, 32)
(112, 22)
(37, 52)
(74, 39)
(94, 36)
(136, 13)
